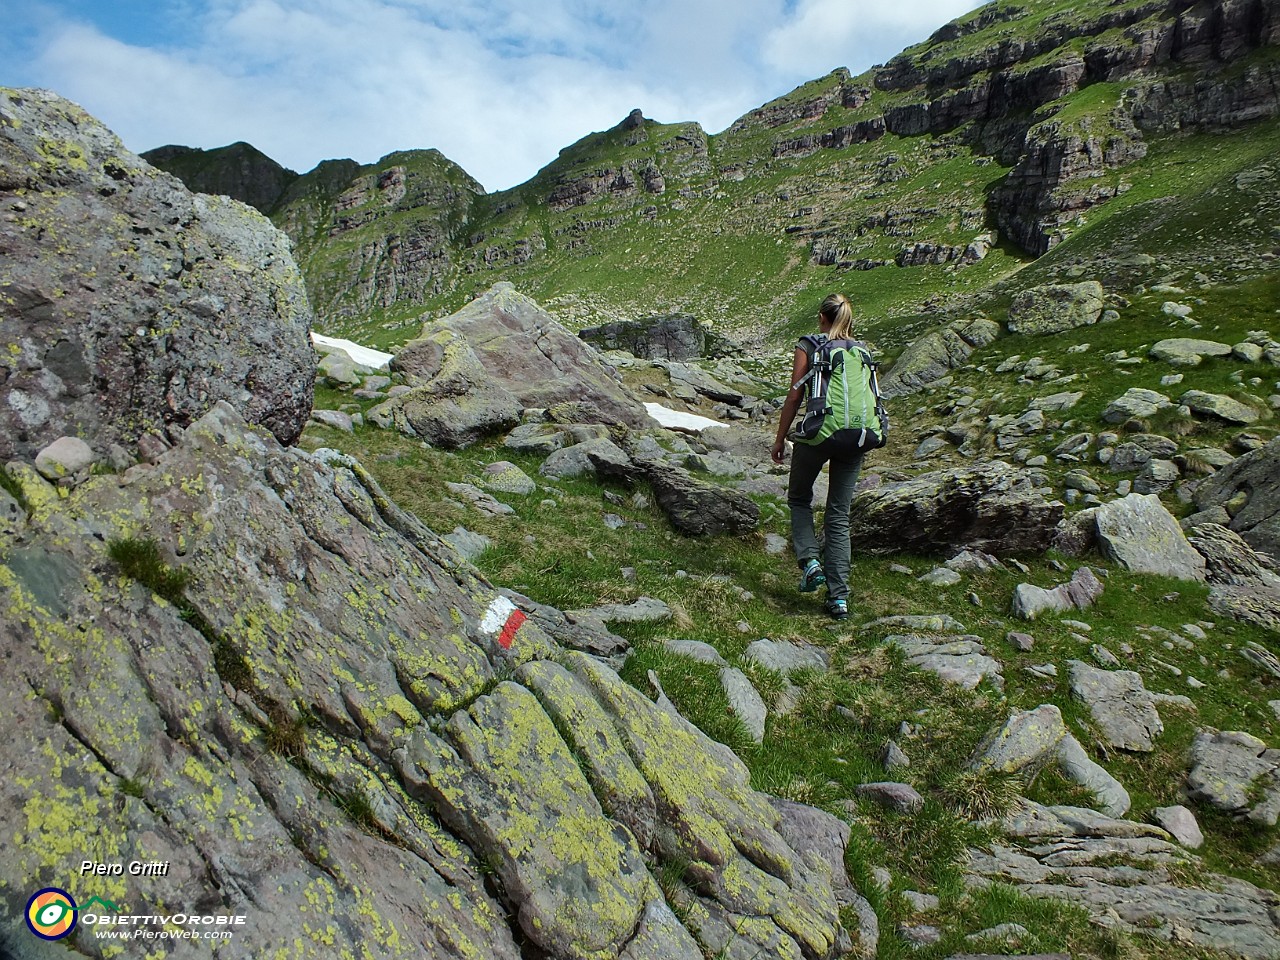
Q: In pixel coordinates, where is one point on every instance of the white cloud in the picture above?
(498, 86)
(822, 30)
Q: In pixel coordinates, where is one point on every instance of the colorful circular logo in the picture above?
(51, 913)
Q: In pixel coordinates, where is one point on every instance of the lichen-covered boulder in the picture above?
(1137, 532)
(1056, 307)
(129, 304)
(938, 353)
(336, 719)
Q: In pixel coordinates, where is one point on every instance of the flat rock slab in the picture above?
(1235, 772)
(785, 657)
(960, 660)
(1187, 352)
(1120, 705)
(1219, 406)
(1128, 875)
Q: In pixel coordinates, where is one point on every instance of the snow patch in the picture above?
(675, 420)
(366, 356)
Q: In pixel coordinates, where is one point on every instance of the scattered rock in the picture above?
(961, 660)
(898, 797)
(67, 459)
(1029, 601)
(1181, 824)
(505, 477)
(744, 701)
(1135, 404)
(993, 507)
(1249, 491)
(1184, 352)
(1219, 406)
(1120, 705)
(1234, 772)
(697, 650)
(786, 657)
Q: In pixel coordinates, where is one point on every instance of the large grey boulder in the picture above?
(1249, 491)
(130, 304)
(992, 507)
(462, 757)
(1141, 535)
(1243, 583)
(523, 351)
(1056, 307)
(936, 354)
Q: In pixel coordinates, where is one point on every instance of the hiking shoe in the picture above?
(838, 609)
(812, 578)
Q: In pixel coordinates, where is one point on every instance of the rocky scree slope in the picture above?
(1010, 124)
(129, 305)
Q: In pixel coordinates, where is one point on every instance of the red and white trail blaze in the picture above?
(503, 618)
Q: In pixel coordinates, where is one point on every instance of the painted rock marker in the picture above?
(503, 618)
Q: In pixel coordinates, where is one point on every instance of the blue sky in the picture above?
(498, 86)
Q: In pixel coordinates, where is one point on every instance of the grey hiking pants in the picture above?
(806, 463)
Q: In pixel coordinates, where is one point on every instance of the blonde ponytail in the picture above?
(839, 313)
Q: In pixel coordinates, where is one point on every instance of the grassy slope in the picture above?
(729, 591)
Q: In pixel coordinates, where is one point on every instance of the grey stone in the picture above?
(1156, 477)
(1141, 535)
(941, 577)
(505, 477)
(1135, 403)
(775, 545)
(745, 701)
(1140, 448)
(936, 354)
(920, 902)
(1120, 705)
(67, 458)
(334, 418)
(786, 657)
(1181, 824)
(1027, 740)
(1234, 772)
(697, 650)
(589, 457)
(899, 797)
(1249, 490)
(470, 545)
(994, 507)
(1110, 796)
(152, 304)
(1219, 406)
(643, 610)
(893, 758)
(479, 499)
(1057, 402)
(1030, 601)
(961, 660)
(1185, 352)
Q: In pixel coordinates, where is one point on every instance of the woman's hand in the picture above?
(779, 450)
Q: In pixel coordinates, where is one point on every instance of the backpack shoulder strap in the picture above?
(809, 343)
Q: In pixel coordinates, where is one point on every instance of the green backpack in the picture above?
(844, 395)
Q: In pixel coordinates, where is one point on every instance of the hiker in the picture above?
(844, 418)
